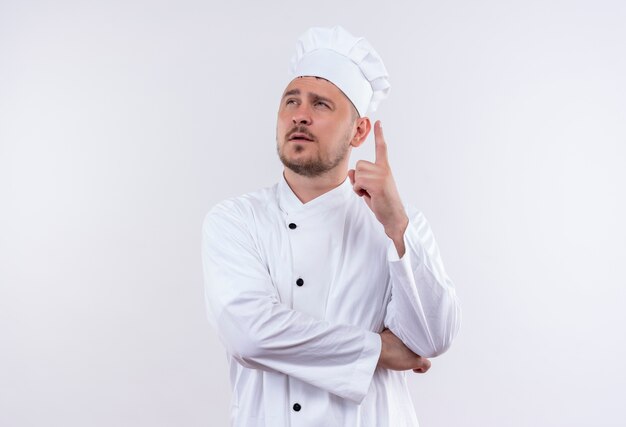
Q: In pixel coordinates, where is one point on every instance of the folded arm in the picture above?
(424, 311)
(262, 333)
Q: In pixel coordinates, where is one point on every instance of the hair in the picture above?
(355, 113)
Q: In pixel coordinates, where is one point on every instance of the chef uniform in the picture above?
(299, 292)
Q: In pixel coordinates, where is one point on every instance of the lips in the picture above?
(300, 137)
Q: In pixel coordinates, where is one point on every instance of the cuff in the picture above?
(365, 366)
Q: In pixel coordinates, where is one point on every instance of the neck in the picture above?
(308, 188)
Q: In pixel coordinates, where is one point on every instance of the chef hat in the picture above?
(349, 62)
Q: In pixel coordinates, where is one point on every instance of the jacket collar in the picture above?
(291, 205)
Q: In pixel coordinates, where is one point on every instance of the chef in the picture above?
(326, 290)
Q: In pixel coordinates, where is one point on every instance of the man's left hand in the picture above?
(374, 182)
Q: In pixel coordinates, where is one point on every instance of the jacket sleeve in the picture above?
(262, 333)
(423, 311)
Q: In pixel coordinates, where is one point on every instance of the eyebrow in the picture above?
(292, 92)
(313, 96)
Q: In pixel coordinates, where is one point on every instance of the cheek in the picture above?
(283, 120)
(280, 128)
(327, 130)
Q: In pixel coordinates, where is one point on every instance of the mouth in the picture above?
(300, 137)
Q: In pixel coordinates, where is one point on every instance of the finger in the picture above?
(361, 193)
(367, 178)
(359, 189)
(363, 165)
(379, 142)
(421, 369)
(424, 365)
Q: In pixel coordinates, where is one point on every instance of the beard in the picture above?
(313, 165)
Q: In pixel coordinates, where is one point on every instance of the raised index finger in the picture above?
(379, 142)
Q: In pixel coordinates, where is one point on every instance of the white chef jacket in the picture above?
(298, 293)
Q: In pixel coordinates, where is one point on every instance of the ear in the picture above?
(363, 127)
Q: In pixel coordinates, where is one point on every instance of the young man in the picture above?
(325, 288)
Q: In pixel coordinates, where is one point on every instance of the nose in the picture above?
(301, 115)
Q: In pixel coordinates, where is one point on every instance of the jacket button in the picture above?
(296, 407)
(292, 225)
(299, 282)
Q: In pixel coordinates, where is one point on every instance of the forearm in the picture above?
(262, 333)
(267, 335)
(424, 311)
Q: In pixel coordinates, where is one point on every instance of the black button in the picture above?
(299, 282)
(292, 225)
(296, 407)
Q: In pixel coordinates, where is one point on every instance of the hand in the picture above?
(397, 356)
(374, 182)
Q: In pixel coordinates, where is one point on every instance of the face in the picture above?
(315, 127)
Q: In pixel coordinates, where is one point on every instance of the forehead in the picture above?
(317, 85)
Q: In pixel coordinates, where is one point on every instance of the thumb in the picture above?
(351, 176)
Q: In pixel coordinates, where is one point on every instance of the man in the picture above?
(324, 288)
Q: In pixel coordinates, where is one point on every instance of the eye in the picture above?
(322, 104)
(290, 101)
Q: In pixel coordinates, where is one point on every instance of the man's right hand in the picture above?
(397, 356)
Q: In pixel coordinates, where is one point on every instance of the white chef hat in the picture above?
(349, 62)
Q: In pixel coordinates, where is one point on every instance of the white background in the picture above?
(123, 122)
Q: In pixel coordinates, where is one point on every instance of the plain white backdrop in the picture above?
(123, 122)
